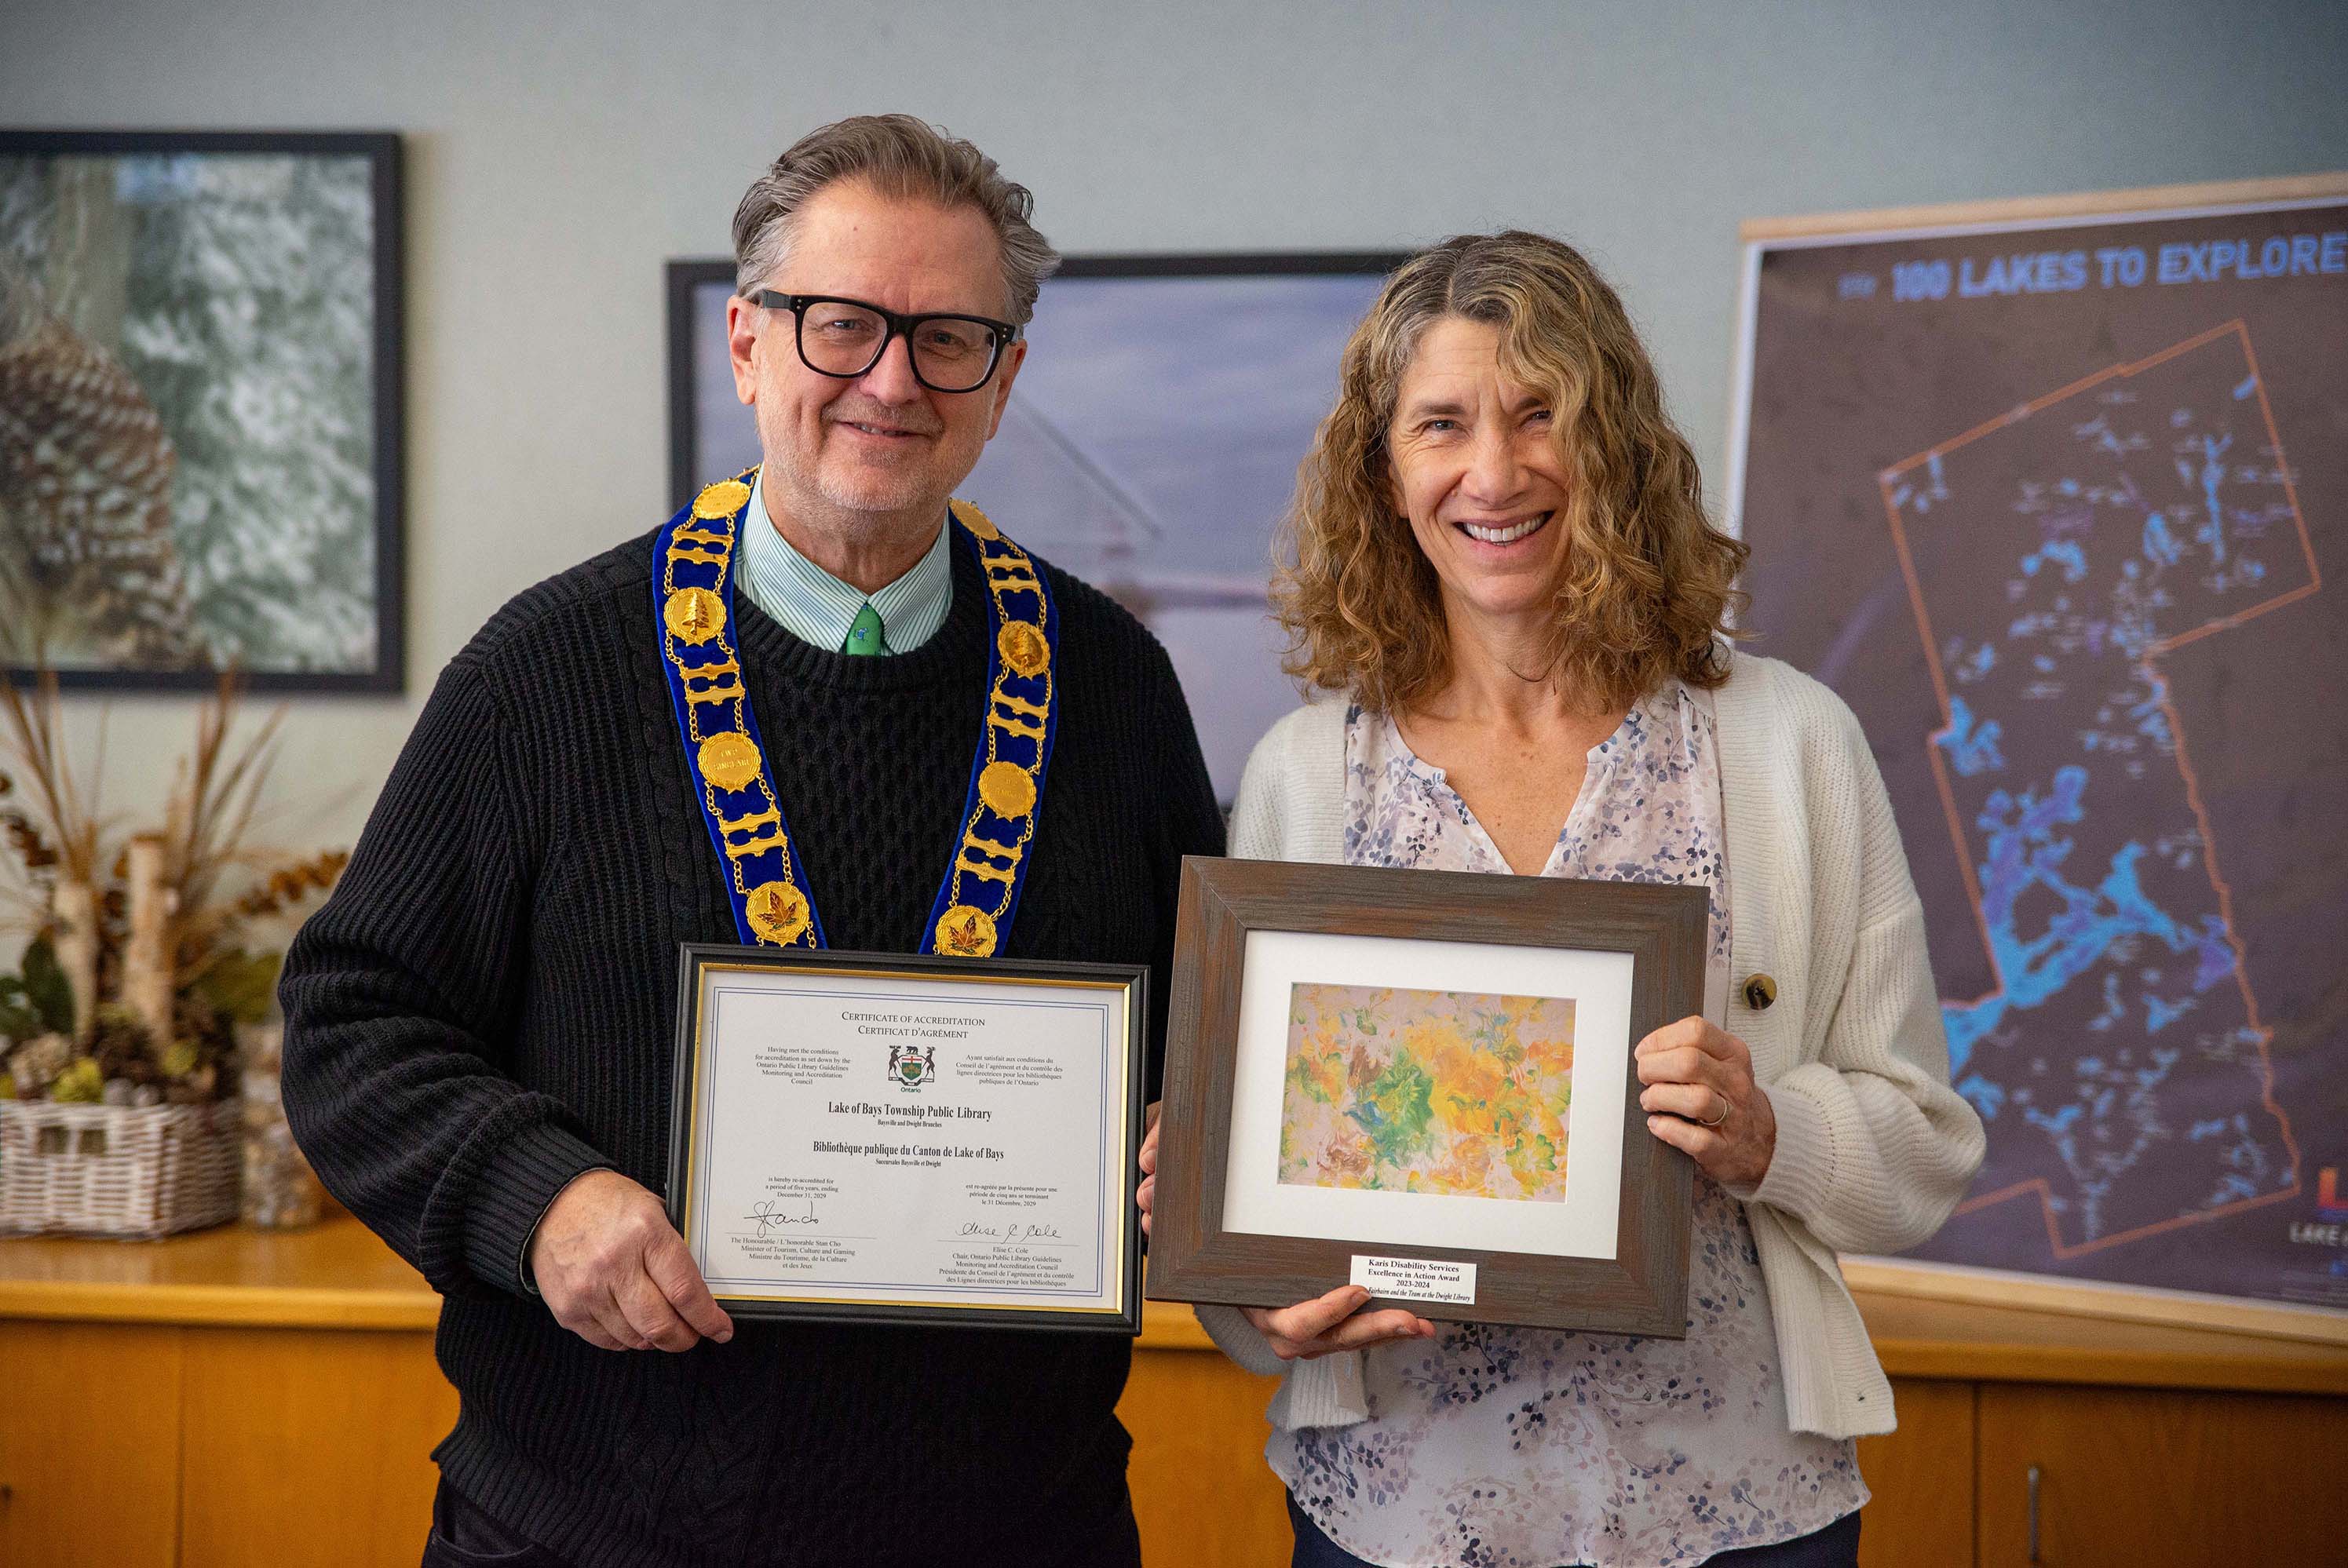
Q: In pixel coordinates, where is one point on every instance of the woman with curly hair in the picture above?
(1500, 575)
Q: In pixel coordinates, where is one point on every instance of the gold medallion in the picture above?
(694, 615)
(730, 760)
(1008, 789)
(778, 912)
(976, 521)
(721, 499)
(1022, 645)
(966, 933)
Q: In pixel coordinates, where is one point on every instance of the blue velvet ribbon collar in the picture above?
(693, 597)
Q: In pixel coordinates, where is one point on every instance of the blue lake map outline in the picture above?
(2119, 1062)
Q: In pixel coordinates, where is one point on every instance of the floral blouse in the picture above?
(1500, 1447)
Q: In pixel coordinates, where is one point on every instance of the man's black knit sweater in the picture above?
(486, 1008)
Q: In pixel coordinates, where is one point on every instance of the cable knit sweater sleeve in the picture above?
(398, 994)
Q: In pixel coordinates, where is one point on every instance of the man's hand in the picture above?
(1316, 1328)
(1701, 1098)
(616, 1274)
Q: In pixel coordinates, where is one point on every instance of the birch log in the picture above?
(147, 987)
(75, 905)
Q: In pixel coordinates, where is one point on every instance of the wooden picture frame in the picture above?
(1638, 1285)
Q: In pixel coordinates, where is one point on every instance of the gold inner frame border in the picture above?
(693, 1196)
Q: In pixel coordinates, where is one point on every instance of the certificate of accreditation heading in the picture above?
(908, 1142)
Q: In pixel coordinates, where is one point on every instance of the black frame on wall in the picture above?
(382, 150)
(683, 278)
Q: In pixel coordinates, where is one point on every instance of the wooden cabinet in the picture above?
(230, 1397)
(309, 1446)
(2125, 1476)
(2140, 1476)
(2150, 1443)
(1923, 1479)
(127, 1446)
(237, 1397)
(1201, 1492)
(89, 1445)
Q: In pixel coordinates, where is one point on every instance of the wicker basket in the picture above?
(116, 1170)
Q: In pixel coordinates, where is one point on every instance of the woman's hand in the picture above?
(1701, 1098)
(1316, 1328)
(1309, 1328)
(1147, 1193)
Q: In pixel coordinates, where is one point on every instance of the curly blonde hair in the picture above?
(1647, 586)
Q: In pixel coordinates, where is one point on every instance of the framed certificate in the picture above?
(863, 1136)
(1421, 1082)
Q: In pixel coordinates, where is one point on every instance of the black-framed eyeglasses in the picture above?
(845, 338)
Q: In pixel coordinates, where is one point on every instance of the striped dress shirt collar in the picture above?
(815, 606)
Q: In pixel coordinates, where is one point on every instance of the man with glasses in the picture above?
(480, 1019)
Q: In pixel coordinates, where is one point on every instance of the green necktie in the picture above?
(864, 635)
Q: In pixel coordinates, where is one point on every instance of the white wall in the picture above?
(558, 154)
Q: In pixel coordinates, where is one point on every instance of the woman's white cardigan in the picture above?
(1874, 1149)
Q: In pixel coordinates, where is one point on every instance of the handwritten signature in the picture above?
(1013, 1231)
(764, 1215)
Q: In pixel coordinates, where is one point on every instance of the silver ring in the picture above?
(1723, 1111)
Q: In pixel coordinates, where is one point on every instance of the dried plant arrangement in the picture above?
(147, 948)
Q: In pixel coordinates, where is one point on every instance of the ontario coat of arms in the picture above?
(910, 1066)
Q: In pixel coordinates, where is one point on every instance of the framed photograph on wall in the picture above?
(1421, 1082)
(200, 447)
(1150, 445)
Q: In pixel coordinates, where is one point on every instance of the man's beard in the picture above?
(865, 491)
(848, 488)
(853, 486)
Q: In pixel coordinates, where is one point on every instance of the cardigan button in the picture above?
(1760, 991)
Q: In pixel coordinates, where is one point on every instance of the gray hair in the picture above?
(900, 157)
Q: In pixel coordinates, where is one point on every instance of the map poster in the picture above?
(2056, 498)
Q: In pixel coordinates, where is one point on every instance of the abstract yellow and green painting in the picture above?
(1426, 1091)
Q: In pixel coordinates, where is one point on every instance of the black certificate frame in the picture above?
(1129, 981)
(1641, 1290)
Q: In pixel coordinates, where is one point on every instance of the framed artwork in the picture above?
(2048, 490)
(1150, 445)
(1420, 1082)
(201, 449)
